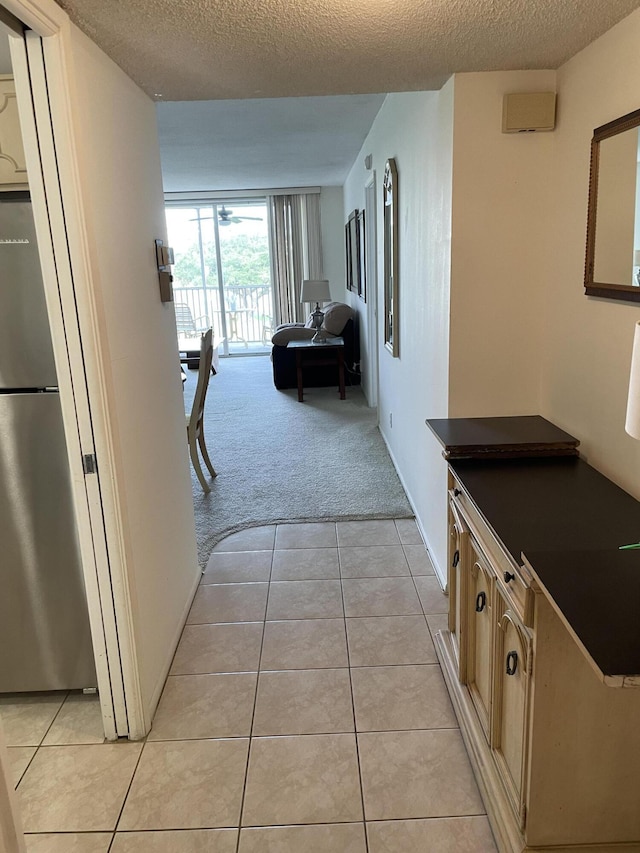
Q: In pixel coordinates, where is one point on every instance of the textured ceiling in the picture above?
(214, 49)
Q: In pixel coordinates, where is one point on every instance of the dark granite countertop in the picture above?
(597, 594)
(569, 521)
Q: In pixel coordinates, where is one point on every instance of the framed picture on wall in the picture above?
(362, 258)
(347, 254)
(352, 251)
(390, 212)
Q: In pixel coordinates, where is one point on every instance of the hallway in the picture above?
(305, 710)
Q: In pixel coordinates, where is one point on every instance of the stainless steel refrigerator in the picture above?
(45, 642)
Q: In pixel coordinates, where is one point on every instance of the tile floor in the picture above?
(305, 710)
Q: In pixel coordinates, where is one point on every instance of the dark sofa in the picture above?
(284, 359)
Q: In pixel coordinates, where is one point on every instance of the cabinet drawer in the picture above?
(513, 581)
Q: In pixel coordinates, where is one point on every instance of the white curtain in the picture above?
(296, 250)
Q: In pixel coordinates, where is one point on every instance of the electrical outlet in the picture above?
(390, 420)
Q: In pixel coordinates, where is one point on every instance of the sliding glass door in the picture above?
(222, 275)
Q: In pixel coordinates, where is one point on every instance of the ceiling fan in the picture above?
(226, 217)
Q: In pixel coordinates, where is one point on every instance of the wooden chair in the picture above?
(195, 425)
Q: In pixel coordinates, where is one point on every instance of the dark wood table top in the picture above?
(528, 435)
(568, 521)
(597, 594)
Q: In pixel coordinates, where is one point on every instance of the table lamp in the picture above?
(316, 290)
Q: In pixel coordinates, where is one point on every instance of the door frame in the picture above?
(371, 261)
(42, 73)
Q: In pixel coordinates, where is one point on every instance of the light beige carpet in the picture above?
(280, 460)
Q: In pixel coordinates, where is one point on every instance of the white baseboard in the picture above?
(440, 573)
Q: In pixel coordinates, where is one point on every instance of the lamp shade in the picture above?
(632, 423)
(315, 290)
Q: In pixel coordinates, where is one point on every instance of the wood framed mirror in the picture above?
(390, 208)
(612, 265)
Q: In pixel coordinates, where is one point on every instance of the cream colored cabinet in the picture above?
(480, 616)
(13, 170)
(510, 704)
(457, 585)
(556, 752)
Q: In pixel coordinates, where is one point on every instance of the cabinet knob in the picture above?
(508, 577)
(481, 601)
(456, 558)
(512, 663)
(456, 492)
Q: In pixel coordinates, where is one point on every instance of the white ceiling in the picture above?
(260, 144)
(212, 49)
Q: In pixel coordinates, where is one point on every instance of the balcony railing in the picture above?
(248, 313)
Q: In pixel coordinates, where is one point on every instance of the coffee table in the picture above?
(330, 351)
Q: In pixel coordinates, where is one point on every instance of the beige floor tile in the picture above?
(320, 534)
(76, 788)
(378, 532)
(19, 758)
(417, 774)
(388, 640)
(238, 567)
(232, 602)
(440, 835)
(218, 648)
(26, 717)
(306, 779)
(376, 561)
(314, 701)
(305, 600)
(419, 560)
(304, 644)
(187, 785)
(79, 721)
(380, 597)
(393, 698)
(86, 842)
(251, 539)
(177, 841)
(437, 622)
(305, 564)
(431, 595)
(205, 706)
(408, 531)
(321, 838)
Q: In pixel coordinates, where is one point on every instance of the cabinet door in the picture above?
(512, 673)
(13, 169)
(480, 634)
(457, 584)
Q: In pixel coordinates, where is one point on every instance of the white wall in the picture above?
(116, 136)
(333, 241)
(588, 341)
(502, 210)
(416, 129)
